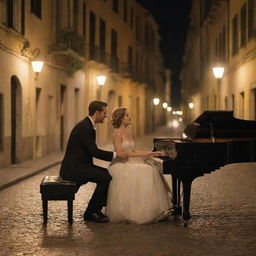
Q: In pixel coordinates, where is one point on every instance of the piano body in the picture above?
(213, 140)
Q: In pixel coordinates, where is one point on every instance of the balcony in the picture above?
(68, 40)
(68, 51)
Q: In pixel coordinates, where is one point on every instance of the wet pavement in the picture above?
(223, 221)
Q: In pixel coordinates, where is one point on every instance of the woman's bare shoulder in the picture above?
(118, 133)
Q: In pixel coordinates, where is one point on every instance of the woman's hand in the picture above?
(156, 153)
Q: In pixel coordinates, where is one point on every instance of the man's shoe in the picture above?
(102, 214)
(96, 217)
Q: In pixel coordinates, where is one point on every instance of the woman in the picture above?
(138, 192)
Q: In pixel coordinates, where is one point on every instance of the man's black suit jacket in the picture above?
(81, 149)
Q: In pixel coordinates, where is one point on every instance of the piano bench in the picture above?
(55, 188)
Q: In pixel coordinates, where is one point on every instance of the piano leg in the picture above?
(176, 209)
(186, 182)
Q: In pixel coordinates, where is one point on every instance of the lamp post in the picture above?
(218, 72)
(156, 101)
(37, 63)
(165, 105)
(191, 105)
(37, 66)
(100, 79)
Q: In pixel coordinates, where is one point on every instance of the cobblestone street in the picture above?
(223, 209)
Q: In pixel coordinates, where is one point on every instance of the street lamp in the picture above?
(191, 105)
(218, 71)
(37, 66)
(165, 105)
(101, 79)
(37, 63)
(156, 101)
(169, 109)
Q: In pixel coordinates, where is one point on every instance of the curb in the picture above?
(29, 175)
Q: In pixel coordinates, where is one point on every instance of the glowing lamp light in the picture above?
(165, 105)
(37, 66)
(191, 105)
(169, 109)
(101, 79)
(156, 101)
(218, 72)
(175, 123)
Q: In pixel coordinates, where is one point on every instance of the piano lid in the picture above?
(220, 124)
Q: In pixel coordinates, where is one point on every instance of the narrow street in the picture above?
(223, 209)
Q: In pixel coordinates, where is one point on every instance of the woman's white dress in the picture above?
(137, 192)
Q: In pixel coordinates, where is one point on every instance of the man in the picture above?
(78, 166)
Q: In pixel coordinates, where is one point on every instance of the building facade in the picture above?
(221, 33)
(78, 40)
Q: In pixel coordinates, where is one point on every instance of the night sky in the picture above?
(173, 19)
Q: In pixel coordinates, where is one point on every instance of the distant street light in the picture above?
(165, 105)
(169, 109)
(156, 101)
(191, 105)
(218, 71)
(101, 79)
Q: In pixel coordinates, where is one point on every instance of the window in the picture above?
(224, 44)
(92, 35)
(114, 60)
(220, 46)
(241, 105)
(114, 43)
(125, 10)
(235, 35)
(137, 27)
(226, 103)
(16, 15)
(233, 102)
(250, 18)
(75, 16)
(1, 121)
(129, 59)
(120, 101)
(131, 18)
(35, 7)
(243, 25)
(253, 104)
(146, 34)
(102, 39)
(84, 20)
(115, 6)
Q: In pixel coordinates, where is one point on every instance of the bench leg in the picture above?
(45, 210)
(70, 211)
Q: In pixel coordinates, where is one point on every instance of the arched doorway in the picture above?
(16, 110)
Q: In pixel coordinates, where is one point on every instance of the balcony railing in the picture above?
(68, 40)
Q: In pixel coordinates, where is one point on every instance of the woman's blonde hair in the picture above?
(117, 116)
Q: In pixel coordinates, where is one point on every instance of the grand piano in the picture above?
(212, 140)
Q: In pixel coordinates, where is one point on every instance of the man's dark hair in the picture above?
(96, 105)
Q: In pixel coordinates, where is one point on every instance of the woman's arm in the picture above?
(146, 153)
(117, 141)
